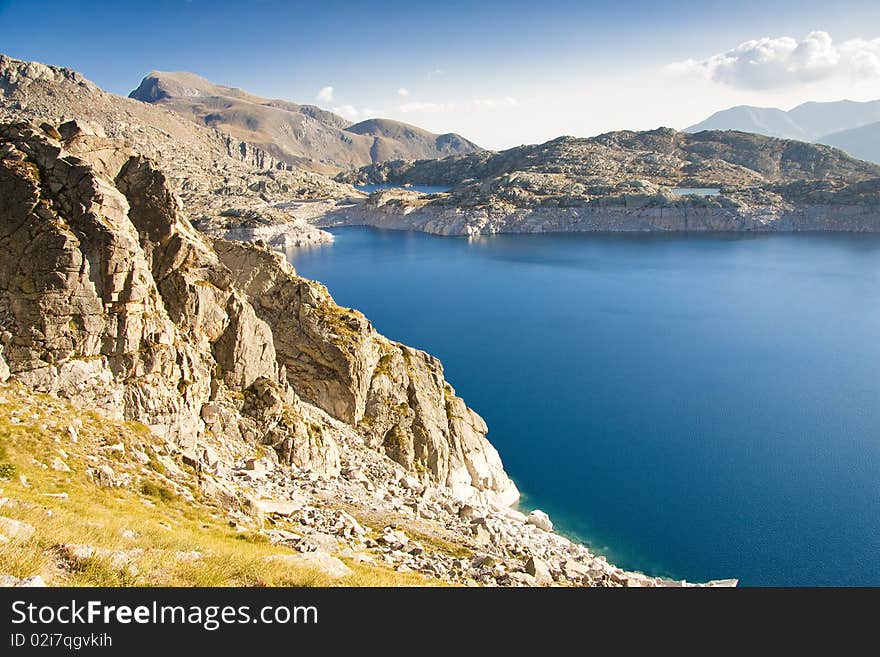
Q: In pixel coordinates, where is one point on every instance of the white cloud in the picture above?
(417, 106)
(325, 95)
(769, 63)
(403, 92)
(349, 112)
(506, 101)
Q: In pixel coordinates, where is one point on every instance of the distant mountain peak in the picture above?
(302, 135)
(814, 121)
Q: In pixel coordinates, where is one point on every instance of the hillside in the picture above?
(863, 142)
(576, 167)
(628, 181)
(211, 172)
(303, 135)
(768, 121)
(814, 122)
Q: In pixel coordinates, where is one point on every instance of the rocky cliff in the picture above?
(112, 299)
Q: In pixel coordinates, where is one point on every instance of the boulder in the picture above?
(540, 520)
(16, 529)
(540, 570)
(323, 562)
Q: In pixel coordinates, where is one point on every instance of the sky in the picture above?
(499, 73)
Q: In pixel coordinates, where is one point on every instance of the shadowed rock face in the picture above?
(108, 296)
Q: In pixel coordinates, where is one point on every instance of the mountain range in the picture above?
(302, 135)
(849, 125)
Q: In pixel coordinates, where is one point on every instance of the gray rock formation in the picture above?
(108, 296)
(628, 181)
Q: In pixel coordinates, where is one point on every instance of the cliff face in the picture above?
(109, 297)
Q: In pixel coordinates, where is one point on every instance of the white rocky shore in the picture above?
(278, 228)
(405, 210)
(482, 543)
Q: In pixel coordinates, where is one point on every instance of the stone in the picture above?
(522, 579)
(482, 536)
(409, 482)
(8, 581)
(575, 570)
(104, 475)
(35, 581)
(255, 465)
(540, 570)
(540, 520)
(210, 413)
(284, 508)
(323, 562)
(318, 542)
(58, 465)
(16, 529)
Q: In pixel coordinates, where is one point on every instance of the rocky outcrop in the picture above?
(395, 395)
(210, 171)
(628, 181)
(108, 296)
(276, 227)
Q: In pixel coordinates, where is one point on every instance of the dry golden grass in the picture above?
(166, 519)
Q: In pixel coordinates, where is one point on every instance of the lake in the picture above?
(424, 189)
(695, 406)
(696, 191)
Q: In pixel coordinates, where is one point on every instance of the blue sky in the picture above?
(501, 73)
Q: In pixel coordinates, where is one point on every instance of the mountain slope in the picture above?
(627, 181)
(303, 135)
(169, 396)
(395, 140)
(807, 122)
(211, 172)
(768, 121)
(661, 157)
(863, 142)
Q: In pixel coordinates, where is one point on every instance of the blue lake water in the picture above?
(696, 191)
(693, 406)
(424, 189)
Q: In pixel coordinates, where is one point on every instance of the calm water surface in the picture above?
(425, 189)
(693, 406)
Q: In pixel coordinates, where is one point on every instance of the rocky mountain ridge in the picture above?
(628, 181)
(302, 135)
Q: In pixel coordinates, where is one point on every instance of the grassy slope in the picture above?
(166, 511)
